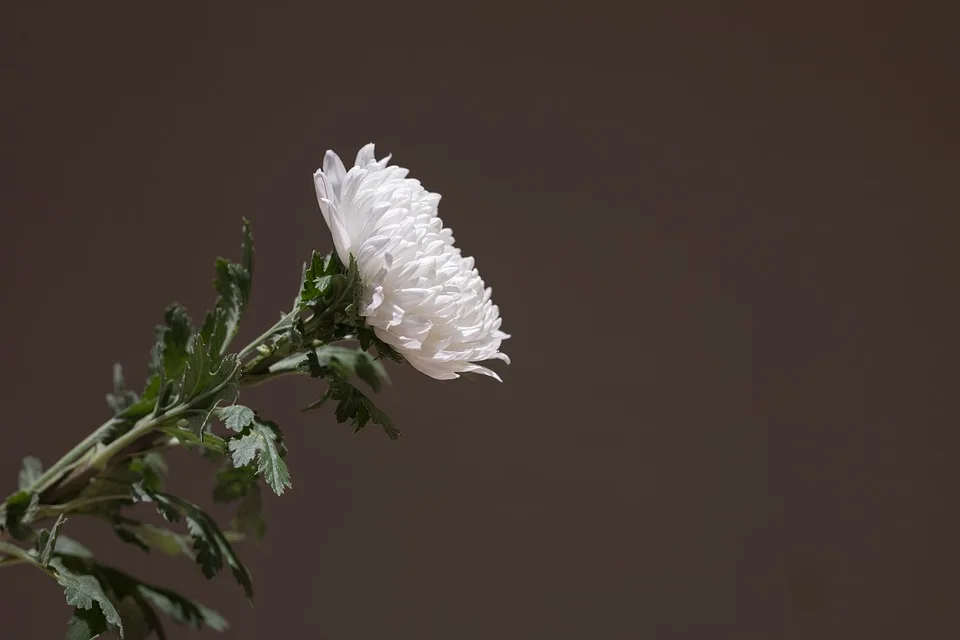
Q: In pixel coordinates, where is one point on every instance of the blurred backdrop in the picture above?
(724, 241)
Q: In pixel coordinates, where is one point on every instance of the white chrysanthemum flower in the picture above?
(419, 294)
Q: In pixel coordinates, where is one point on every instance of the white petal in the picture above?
(365, 155)
(335, 172)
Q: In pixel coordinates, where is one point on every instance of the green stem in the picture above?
(282, 323)
(150, 422)
(85, 453)
(51, 475)
(11, 562)
(20, 556)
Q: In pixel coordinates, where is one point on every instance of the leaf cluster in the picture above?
(333, 292)
(106, 598)
(337, 365)
(194, 382)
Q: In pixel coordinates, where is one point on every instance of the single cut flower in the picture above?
(420, 295)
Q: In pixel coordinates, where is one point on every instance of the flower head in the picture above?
(420, 295)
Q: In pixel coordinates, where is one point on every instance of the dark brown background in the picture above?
(723, 240)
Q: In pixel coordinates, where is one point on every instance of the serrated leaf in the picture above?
(170, 510)
(260, 441)
(312, 365)
(86, 624)
(197, 371)
(236, 417)
(82, 591)
(214, 330)
(131, 591)
(173, 338)
(184, 610)
(50, 541)
(354, 406)
(312, 271)
(245, 449)
(232, 283)
(211, 376)
(211, 546)
(136, 614)
(30, 472)
(196, 422)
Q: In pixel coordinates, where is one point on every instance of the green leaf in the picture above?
(30, 472)
(262, 441)
(312, 271)
(183, 610)
(344, 362)
(210, 442)
(170, 510)
(17, 512)
(233, 283)
(211, 546)
(197, 372)
(214, 330)
(354, 406)
(82, 591)
(168, 358)
(196, 422)
(236, 417)
(47, 541)
(147, 537)
(70, 547)
(131, 591)
(322, 284)
(146, 470)
(150, 468)
(86, 624)
(214, 377)
(173, 338)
